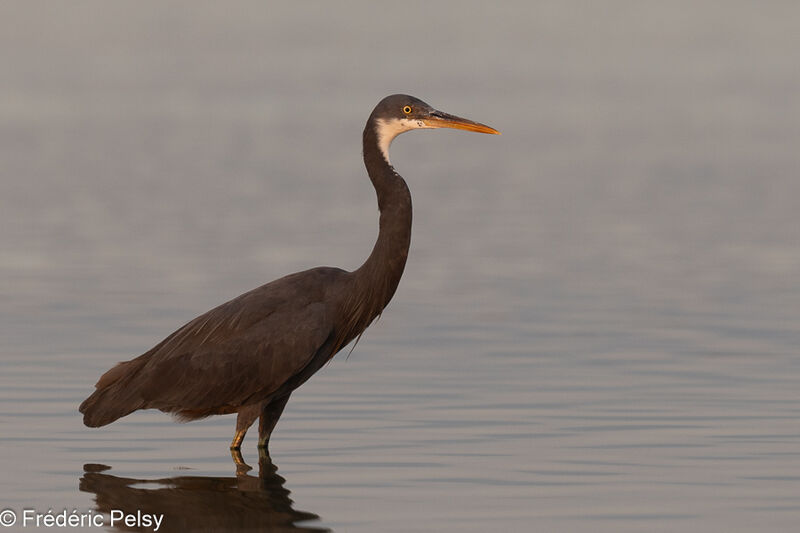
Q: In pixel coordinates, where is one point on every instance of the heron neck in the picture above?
(380, 274)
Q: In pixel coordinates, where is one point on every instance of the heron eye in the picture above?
(407, 110)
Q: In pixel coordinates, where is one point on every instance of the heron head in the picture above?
(400, 113)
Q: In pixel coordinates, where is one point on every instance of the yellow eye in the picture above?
(407, 110)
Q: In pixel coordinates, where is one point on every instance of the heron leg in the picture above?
(247, 415)
(270, 414)
(238, 460)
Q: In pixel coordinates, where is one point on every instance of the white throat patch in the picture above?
(387, 130)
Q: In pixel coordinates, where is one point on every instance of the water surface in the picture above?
(598, 325)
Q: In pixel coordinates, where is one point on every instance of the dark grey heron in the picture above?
(248, 355)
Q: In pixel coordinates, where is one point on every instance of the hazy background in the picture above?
(598, 324)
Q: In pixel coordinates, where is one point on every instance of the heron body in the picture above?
(247, 355)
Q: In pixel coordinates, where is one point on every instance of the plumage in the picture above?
(247, 355)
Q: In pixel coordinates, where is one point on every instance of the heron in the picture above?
(249, 354)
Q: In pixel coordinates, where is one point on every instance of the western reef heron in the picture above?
(248, 355)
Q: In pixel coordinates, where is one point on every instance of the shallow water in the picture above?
(598, 325)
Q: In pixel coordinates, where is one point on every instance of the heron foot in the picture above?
(263, 457)
(238, 460)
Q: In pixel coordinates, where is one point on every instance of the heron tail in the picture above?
(114, 396)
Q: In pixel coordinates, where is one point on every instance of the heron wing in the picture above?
(242, 351)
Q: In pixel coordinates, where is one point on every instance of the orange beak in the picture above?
(437, 119)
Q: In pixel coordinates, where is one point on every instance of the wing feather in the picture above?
(242, 351)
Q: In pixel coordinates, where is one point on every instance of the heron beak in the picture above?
(437, 119)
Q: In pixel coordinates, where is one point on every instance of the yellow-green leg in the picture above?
(247, 415)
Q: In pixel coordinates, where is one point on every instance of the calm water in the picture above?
(598, 327)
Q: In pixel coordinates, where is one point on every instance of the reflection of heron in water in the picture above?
(197, 503)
